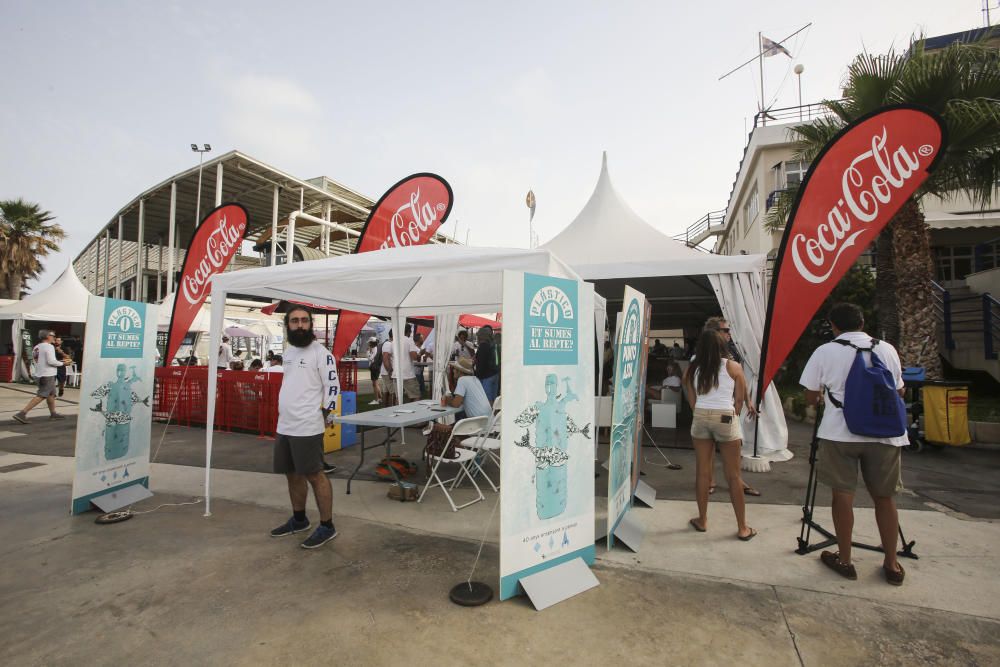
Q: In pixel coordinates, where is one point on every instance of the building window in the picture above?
(750, 209)
(953, 262)
(795, 171)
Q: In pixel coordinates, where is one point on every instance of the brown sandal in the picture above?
(832, 561)
(894, 578)
(694, 524)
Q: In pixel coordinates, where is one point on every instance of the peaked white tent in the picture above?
(442, 280)
(609, 244)
(65, 300)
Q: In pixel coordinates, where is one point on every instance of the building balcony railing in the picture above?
(798, 114)
(710, 224)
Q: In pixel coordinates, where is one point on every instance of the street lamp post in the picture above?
(201, 158)
(799, 69)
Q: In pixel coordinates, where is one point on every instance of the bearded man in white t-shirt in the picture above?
(309, 393)
(841, 452)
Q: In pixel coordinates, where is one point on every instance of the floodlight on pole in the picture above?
(201, 159)
(799, 69)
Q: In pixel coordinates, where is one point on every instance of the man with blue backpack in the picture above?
(864, 425)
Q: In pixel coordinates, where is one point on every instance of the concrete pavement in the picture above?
(175, 587)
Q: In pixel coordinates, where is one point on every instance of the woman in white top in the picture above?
(716, 390)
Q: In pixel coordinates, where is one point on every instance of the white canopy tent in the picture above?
(610, 245)
(440, 280)
(65, 300)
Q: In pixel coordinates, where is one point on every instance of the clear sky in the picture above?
(103, 99)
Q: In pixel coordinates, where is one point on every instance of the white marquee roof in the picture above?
(609, 240)
(418, 280)
(65, 300)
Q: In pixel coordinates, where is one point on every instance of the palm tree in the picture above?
(27, 234)
(962, 84)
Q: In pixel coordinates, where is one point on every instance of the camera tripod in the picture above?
(809, 523)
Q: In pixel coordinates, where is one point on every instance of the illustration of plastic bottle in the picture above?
(550, 432)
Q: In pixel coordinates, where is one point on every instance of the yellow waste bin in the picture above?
(946, 413)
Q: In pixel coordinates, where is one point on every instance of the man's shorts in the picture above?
(708, 424)
(46, 386)
(411, 389)
(388, 385)
(880, 466)
(302, 455)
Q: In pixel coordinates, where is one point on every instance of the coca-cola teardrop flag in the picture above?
(408, 214)
(860, 180)
(212, 247)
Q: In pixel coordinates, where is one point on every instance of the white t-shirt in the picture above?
(458, 351)
(829, 367)
(275, 369)
(405, 364)
(46, 363)
(309, 385)
(672, 382)
(225, 355)
(474, 400)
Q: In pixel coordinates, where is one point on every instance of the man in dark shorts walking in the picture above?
(46, 365)
(309, 394)
(842, 453)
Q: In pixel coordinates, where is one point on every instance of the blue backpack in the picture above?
(872, 406)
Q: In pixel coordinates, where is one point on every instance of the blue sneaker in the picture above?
(289, 527)
(320, 536)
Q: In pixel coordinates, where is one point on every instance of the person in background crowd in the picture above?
(488, 363)
(256, 365)
(462, 349)
(374, 369)
(418, 341)
(308, 396)
(46, 364)
(722, 326)
(62, 356)
(677, 352)
(841, 452)
(659, 349)
(386, 384)
(269, 356)
(225, 357)
(275, 365)
(672, 383)
(715, 389)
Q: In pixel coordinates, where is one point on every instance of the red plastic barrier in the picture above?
(347, 373)
(245, 400)
(7, 368)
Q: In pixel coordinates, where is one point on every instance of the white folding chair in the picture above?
(465, 460)
(488, 446)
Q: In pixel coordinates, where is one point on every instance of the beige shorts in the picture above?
(837, 466)
(411, 388)
(710, 424)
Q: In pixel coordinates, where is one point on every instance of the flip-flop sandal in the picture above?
(694, 524)
(747, 538)
(750, 491)
(711, 489)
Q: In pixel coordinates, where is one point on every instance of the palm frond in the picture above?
(777, 215)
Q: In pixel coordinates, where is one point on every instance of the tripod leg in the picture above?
(907, 550)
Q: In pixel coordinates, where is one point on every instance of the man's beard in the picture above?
(301, 337)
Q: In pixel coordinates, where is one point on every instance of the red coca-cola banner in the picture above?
(212, 247)
(409, 213)
(853, 188)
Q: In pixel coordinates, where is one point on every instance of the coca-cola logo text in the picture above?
(410, 222)
(868, 184)
(220, 246)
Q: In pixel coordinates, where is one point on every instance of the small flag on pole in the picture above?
(769, 48)
(530, 202)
